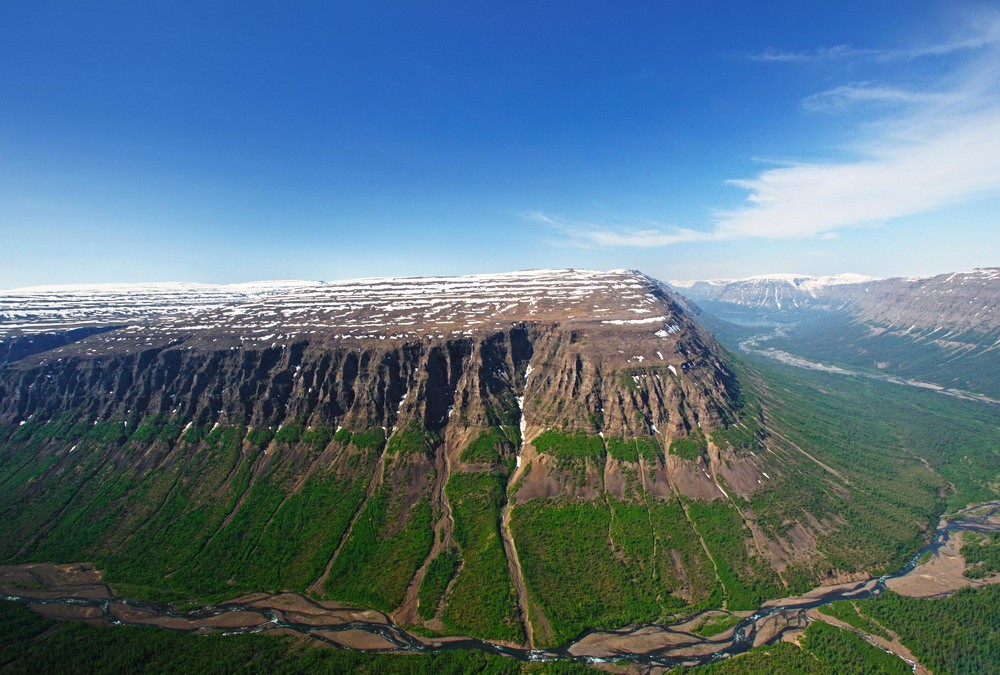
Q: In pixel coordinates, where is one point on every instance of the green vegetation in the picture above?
(855, 475)
(846, 611)
(982, 555)
(411, 439)
(682, 568)
(824, 650)
(845, 652)
(317, 439)
(488, 446)
(203, 526)
(259, 438)
(569, 446)
(957, 634)
(631, 449)
(31, 644)
(741, 437)
(878, 461)
(439, 573)
(573, 573)
(691, 447)
(18, 623)
(783, 657)
(289, 433)
(483, 602)
(387, 545)
(371, 439)
(836, 339)
(747, 580)
(714, 625)
(157, 428)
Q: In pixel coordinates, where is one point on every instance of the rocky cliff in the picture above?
(517, 457)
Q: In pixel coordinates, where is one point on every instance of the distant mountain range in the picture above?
(945, 328)
(777, 291)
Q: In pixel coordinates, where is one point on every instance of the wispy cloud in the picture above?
(984, 31)
(896, 180)
(839, 98)
(594, 235)
(834, 53)
(923, 149)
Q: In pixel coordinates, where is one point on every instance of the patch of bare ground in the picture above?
(689, 625)
(777, 624)
(49, 580)
(940, 575)
(439, 641)
(300, 609)
(640, 641)
(444, 539)
(532, 617)
(844, 590)
(355, 638)
(529, 611)
(140, 615)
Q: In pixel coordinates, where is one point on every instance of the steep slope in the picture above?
(517, 457)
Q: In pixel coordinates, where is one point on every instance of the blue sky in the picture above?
(233, 141)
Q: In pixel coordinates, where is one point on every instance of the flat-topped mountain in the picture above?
(382, 308)
(518, 457)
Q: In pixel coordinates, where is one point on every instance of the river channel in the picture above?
(86, 598)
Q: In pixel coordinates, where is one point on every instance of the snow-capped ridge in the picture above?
(365, 308)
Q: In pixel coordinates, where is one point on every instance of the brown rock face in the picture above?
(381, 401)
(599, 353)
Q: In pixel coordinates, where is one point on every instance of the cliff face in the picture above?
(515, 457)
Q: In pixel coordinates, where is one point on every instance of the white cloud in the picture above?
(981, 31)
(898, 179)
(839, 98)
(837, 52)
(938, 147)
(592, 235)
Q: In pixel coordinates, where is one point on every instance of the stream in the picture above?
(592, 646)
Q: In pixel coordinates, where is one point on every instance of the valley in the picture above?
(77, 592)
(507, 339)
(942, 329)
(751, 346)
(576, 471)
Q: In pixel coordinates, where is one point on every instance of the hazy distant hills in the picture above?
(944, 329)
(959, 299)
(775, 291)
